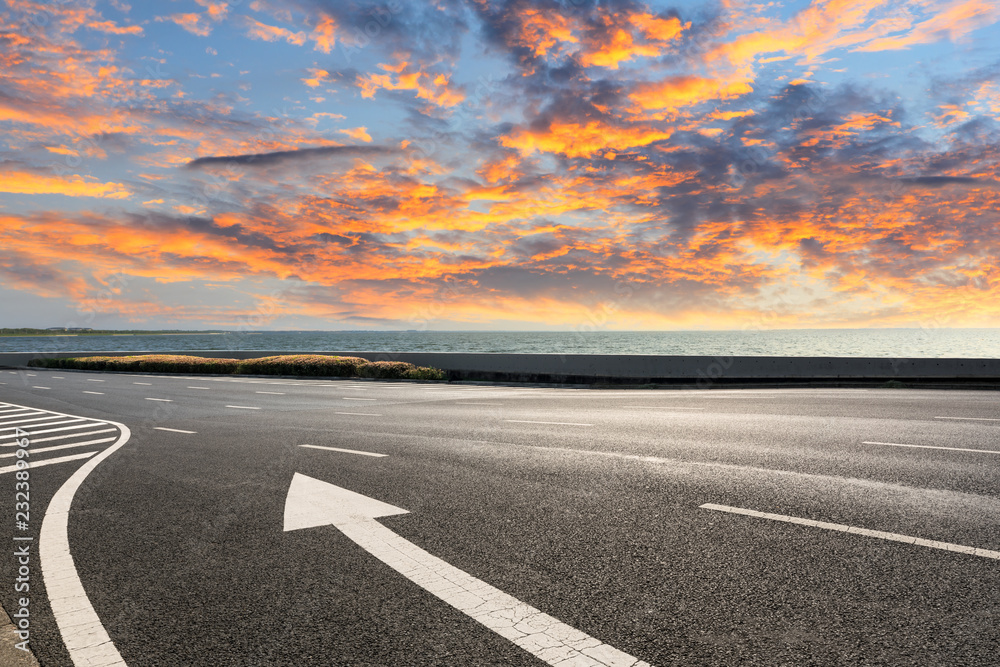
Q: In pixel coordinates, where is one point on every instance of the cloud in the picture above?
(359, 133)
(28, 183)
(196, 24)
(269, 33)
(280, 157)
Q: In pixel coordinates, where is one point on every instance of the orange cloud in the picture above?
(957, 20)
(359, 133)
(325, 34)
(270, 33)
(585, 139)
(21, 182)
(435, 88)
(113, 28)
(196, 24)
(681, 91)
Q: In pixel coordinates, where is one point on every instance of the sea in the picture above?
(890, 343)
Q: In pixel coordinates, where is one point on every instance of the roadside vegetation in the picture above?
(286, 364)
(83, 331)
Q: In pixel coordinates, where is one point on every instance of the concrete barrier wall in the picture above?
(590, 368)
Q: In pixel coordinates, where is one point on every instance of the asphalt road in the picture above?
(583, 504)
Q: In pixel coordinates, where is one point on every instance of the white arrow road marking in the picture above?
(312, 503)
(853, 530)
(83, 634)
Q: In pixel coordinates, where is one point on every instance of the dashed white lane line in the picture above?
(54, 448)
(37, 387)
(49, 462)
(971, 419)
(952, 449)
(99, 393)
(148, 384)
(92, 380)
(495, 404)
(346, 451)
(658, 407)
(58, 377)
(527, 421)
(853, 530)
(359, 414)
(173, 430)
(276, 393)
(199, 387)
(242, 407)
(346, 398)
(162, 400)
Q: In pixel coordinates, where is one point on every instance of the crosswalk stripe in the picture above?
(48, 462)
(58, 447)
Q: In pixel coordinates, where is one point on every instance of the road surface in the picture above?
(250, 521)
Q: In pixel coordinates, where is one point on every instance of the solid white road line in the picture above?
(58, 447)
(526, 421)
(173, 430)
(276, 393)
(99, 393)
(953, 449)
(84, 636)
(346, 451)
(878, 534)
(972, 419)
(242, 407)
(359, 414)
(48, 462)
(162, 400)
(312, 502)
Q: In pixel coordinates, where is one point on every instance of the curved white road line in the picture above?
(83, 633)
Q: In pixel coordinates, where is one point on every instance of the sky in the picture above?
(478, 165)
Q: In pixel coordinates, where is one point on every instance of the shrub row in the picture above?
(286, 364)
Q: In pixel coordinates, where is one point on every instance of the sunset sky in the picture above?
(327, 164)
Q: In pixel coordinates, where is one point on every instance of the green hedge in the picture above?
(286, 364)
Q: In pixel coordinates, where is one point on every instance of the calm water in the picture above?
(974, 343)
